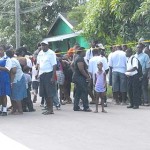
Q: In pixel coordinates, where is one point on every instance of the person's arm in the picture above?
(134, 63)
(12, 74)
(105, 83)
(82, 70)
(54, 73)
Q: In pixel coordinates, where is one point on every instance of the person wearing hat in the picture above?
(46, 63)
(5, 90)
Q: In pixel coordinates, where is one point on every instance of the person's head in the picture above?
(81, 51)
(1, 51)
(95, 52)
(39, 46)
(10, 53)
(26, 69)
(140, 48)
(58, 52)
(129, 52)
(100, 65)
(44, 46)
(22, 51)
(118, 47)
(124, 47)
(93, 43)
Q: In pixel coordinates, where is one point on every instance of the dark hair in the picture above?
(80, 49)
(21, 51)
(26, 69)
(10, 53)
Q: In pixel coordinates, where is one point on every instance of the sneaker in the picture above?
(42, 105)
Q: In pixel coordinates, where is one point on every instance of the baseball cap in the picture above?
(100, 46)
(44, 42)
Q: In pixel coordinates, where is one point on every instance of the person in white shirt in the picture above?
(46, 63)
(133, 80)
(117, 63)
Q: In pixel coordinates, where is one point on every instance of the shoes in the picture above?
(78, 109)
(88, 110)
(136, 107)
(58, 107)
(105, 104)
(48, 112)
(130, 106)
(4, 114)
(147, 104)
(42, 105)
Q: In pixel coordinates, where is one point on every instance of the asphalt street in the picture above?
(119, 129)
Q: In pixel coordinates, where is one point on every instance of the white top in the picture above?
(109, 57)
(19, 72)
(29, 62)
(131, 63)
(118, 61)
(46, 61)
(8, 64)
(34, 73)
(89, 54)
(92, 68)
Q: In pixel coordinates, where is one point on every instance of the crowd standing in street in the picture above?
(53, 75)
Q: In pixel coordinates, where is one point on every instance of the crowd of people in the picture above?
(51, 75)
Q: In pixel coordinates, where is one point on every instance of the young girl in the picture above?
(100, 86)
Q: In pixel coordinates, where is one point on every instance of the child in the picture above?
(27, 102)
(100, 86)
(35, 82)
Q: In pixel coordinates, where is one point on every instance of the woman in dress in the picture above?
(18, 84)
(5, 90)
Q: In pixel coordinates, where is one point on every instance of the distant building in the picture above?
(62, 34)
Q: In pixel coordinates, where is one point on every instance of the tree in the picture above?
(36, 18)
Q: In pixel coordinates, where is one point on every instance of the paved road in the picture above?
(119, 129)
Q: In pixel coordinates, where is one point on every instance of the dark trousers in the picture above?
(27, 102)
(134, 90)
(81, 93)
(145, 89)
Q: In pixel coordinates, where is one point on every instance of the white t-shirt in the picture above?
(131, 65)
(118, 61)
(92, 68)
(46, 61)
(19, 72)
(8, 64)
(34, 73)
(89, 54)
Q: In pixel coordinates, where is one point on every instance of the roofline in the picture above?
(64, 19)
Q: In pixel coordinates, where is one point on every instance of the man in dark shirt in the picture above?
(81, 79)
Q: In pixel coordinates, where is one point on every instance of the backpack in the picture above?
(139, 70)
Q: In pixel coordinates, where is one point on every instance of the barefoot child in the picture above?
(100, 86)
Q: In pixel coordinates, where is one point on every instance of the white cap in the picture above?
(100, 45)
(44, 42)
(141, 40)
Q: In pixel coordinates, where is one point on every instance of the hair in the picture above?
(10, 53)
(57, 50)
(21, 51)
(80, 49)
(95, 51)
(26, 69)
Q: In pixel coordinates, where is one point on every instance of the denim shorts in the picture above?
(119, 82)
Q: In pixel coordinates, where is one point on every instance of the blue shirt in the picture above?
(144, 60)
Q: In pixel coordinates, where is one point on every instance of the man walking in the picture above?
(46, 62)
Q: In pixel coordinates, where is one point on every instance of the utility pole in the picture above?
(17, 23)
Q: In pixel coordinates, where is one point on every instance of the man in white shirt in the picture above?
(133, 79)
(46, 61)
(117, 63)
